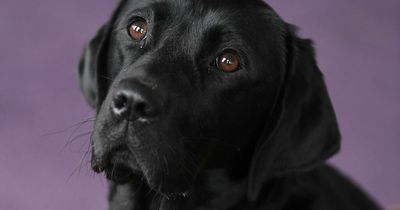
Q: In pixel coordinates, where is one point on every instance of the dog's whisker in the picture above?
(108, 78)
(84, 144)
(112, 171)
(77, 128)
(83, 158)
(156, 199)
(192, 160)
(73, 140)
(70, 176)
(92, 119)
(77, 137)
(166, 165)
(76, 169)
(170, 147)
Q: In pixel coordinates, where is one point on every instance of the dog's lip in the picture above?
(122, 173)
(122, 166)
(118, 165)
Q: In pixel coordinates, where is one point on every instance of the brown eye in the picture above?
(228, 61)
(138, 30)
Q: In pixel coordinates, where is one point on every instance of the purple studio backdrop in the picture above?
(358, 48)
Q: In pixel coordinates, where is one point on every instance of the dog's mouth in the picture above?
(122, 168)
(119, 166)
(126, 159)
(121, 173)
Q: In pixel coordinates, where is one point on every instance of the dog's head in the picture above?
(181, 87)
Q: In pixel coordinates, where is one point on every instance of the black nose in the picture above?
(133, 101)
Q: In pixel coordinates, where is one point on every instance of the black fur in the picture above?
(257, 138)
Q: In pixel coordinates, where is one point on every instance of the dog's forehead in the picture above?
(189, 6)
(188, 20)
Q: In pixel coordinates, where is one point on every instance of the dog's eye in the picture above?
(138, 29)
(228, 61)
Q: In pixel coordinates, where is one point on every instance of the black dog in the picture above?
(211, 105)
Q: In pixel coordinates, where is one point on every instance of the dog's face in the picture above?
(184, 86)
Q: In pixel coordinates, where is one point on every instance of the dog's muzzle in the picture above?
(131, 102)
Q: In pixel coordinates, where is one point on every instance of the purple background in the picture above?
(358, 46)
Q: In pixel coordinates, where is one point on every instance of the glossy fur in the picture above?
(257, 138)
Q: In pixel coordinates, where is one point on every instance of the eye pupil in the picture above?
(228, 61)
(138, 30)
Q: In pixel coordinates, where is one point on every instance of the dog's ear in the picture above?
(91, 64)
(304, 131)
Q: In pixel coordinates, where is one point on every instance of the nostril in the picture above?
(120, 103)
(143, 109)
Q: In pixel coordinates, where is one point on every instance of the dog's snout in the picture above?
(133, 100)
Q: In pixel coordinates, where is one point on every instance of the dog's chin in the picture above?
(125, 170)
(169, 187)
(122, 168)
(122, 174)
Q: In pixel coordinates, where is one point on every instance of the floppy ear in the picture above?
(91, 65)
(304, 132)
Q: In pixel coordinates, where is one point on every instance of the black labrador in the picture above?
(211, 105)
